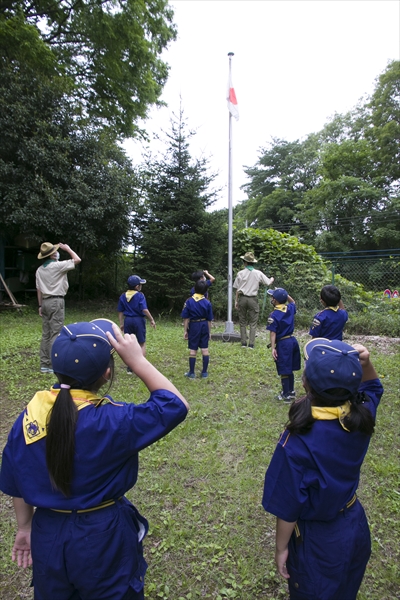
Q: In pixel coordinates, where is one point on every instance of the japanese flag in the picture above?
(232, 102)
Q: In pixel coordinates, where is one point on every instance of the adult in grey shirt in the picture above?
(246, 284)
(51, 287)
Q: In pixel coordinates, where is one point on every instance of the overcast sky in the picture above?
(296, 63)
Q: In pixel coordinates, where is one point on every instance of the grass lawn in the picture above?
(201, 486)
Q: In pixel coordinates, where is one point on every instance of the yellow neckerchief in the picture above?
(281, 307)
(197, 297)
(35, 417)
(129, 294)
(328, 413)
(334, 308)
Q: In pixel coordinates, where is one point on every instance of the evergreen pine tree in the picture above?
(179, 236)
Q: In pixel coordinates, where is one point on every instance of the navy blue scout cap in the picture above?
(135, 280)
(332, 364)
(81, 351)
(279, 294)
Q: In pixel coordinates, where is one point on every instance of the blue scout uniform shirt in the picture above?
(107, 441)
(132, 304)
(281, 320)
(312, 476)
(329, 323)
(197, 307)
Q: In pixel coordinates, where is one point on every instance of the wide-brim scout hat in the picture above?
(332, 364)
(249, 257)
(47, 249)
(279, 294)
(81, 351)
(135, 280)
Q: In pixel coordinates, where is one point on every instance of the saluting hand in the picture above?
(126, 345)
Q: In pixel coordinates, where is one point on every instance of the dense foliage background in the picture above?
(71, 89)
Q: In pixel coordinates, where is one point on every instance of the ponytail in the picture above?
(60, 440)
(61, 423)
(360, 418)
(300, 416)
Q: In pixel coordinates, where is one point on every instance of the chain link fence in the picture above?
(376, 271)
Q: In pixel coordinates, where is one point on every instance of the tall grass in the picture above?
(201, 486)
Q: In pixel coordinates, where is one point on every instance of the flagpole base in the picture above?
(228, 336)
(229, 327)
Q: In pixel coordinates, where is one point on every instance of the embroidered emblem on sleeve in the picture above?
(316, 323)
(270, 320)
(32, 429)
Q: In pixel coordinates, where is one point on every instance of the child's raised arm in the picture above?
(130, 351)
(368, 368)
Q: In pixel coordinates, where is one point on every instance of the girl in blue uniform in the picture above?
(284, 346)
(73, 454)
(330, 321)
(132, 310)
(322, 536)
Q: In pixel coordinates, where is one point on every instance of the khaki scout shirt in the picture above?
(52, 280)
(248, 281)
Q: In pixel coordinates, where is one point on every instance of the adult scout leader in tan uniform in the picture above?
(51, 287)
(246, 284)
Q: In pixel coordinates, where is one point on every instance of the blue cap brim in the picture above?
(337, 345)
(105, 325)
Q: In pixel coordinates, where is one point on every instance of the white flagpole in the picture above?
(229, 322)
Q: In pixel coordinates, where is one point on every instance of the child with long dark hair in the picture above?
(322, 536)
(73, 454)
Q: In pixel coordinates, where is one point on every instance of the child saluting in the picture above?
(73, 456)
(322, 537)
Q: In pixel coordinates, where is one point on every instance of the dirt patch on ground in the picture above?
(385, 345)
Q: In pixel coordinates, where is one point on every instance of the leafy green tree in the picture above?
(338, 189)
(178, 236)
(384, 126)
(58, 180)
(284, 172)
(110, 50)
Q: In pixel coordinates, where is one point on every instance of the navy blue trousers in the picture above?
(329, 560)
(88, 556)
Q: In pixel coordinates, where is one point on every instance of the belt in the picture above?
(299, 539)
(197, 320)
(249, 296)
(85, 510)
(285, 337)
(45, 297)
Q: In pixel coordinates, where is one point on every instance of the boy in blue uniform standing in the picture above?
(284, 346)
(197, 315)
(132, 310)
(73, 454)
(322, 537)
(330, 321)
